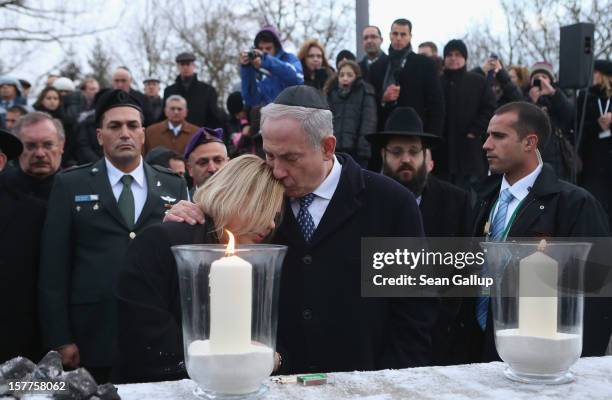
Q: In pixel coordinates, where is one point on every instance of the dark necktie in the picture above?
(304, 218)
(126, 201)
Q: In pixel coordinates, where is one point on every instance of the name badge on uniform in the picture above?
(82, 198)
(605, 134)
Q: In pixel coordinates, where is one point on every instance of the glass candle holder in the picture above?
(537, 302)
(230, 309)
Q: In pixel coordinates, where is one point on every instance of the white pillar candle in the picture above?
(231, 286)
(537, 309)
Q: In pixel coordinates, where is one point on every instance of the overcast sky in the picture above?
(435, 20)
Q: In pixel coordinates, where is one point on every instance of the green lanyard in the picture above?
(510, 222)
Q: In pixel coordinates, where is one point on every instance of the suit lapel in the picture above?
(154, 187)
(289, 231)
(343, 204)
(534, 205)
(101, 186)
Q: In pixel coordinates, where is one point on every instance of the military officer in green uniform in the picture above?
(94, 212)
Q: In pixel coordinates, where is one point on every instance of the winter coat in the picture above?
(202, 108)
(505, 90)
(596, 152)
(320, 77)
(354, 114)
(561, 113)
(470, 104)
(281, 71)
(419, 88)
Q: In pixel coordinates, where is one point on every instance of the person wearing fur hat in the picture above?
(596, 141)
(558, 150)
(470, 103)
(267, 69)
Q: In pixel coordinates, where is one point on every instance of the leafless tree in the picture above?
(44, 21)
(100, 63)
(532, 30)
(329, 21)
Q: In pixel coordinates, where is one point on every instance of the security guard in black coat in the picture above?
(550, 208)
(94, 212)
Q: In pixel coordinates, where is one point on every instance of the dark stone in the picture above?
(108, 391)
(81, 383)
(50, 367)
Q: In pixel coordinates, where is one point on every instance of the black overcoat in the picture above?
(470, 104)
(84, 242)
(324, 323)
(553, 208)
(202, 108)
(419, 88)
(21, 221)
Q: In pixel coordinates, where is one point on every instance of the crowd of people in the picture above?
(403, 143)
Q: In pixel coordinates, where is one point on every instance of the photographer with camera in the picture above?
(498, 77)
(558, 151)
(267, 69)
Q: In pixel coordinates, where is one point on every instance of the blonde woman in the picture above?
(242, 197)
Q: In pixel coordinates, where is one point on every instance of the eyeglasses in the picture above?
(48, 146)
(366, 37)
(399, 153)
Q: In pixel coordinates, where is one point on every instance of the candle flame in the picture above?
(229, 250)
(542, 245)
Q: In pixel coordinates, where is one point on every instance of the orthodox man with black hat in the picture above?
(446, 209)
(470, 103)
(21, 220)
(332, 203)
(524, 198)
(95, 210)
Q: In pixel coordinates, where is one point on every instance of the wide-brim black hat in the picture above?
(403, 121)
(10, 145)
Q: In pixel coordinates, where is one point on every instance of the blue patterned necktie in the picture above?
(304, 219)
(497, 229)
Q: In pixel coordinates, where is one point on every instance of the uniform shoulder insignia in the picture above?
(164, 169)
(77, 167)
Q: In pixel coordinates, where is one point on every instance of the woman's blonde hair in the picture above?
(246, 187)
(606, 84)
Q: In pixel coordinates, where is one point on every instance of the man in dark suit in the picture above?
(201, 97)
(544, 206)
(94, 213)
(445, 208)
(372, 39)
(21, 220)
(324, 324)
(405, 78)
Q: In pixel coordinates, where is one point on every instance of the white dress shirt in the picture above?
(323, 194)
(519, 190)
(139, 185)
(175, 129)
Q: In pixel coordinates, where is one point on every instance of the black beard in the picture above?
(416, 184)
